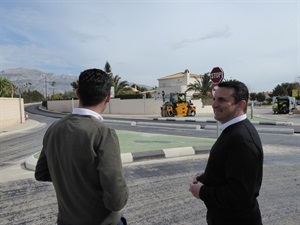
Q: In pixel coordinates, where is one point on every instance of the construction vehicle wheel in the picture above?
(163, 113)
(193, 113)
(170, 114)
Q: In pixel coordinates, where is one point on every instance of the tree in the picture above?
(107, 69)
(27, 85)
(14, 90)
(206, 85)
(290, 87)
(253, 96)
(66, 96)
(202, 86)
(119, 86)
(6, 88)
(261, 97)
(53, 84)
(280, 90)
(74, 85)
(69, 95)
(32, 96)
(285, 89)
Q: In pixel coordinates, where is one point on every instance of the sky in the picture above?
(254, 41)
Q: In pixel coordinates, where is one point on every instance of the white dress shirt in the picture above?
(233, 121)
(83, 111)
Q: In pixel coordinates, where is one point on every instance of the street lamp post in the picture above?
(46, 91)
(20, 104)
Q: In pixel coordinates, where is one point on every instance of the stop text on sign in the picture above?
(217, 75)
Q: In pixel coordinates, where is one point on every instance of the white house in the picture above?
(175, 83)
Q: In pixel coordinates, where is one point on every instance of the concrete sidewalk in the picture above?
(21, 127)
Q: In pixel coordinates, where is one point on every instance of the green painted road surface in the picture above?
(137, 141)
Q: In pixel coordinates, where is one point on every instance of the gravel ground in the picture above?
(159, 192)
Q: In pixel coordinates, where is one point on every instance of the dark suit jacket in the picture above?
(233, 176)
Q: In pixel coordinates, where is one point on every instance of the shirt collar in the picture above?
(88, 112)
(233, 121)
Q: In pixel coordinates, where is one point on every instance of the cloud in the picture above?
(216, 34)
(146, 40)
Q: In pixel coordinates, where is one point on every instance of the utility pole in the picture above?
(46, 94)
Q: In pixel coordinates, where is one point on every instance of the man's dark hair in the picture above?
(93, 86)
(240, 91)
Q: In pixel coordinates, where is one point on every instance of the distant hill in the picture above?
(39, 80)
(21, 76)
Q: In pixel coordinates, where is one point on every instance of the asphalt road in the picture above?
(158, 188)
(159, 193)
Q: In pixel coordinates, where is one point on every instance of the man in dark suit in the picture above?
(230, 185)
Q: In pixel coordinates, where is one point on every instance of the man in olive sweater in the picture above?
(81, 157)
(232, 179)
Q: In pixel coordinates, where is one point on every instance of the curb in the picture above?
(260, 130)
(214, 121)
(31, 124)
(30, 162)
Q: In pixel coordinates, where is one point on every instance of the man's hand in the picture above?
(195, 189)
(196, 177)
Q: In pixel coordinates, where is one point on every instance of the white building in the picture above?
(176, 83)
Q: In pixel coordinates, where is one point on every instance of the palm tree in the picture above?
(206, 85)
(202, 86)
(14, 90)
(27, 85)
(119, 87)
(196, 86)
(53, 84)
(6, 87)
(74, 85)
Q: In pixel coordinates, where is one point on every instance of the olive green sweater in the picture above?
(81, 156)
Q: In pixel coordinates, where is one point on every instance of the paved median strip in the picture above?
(164, 153)
(30, 162)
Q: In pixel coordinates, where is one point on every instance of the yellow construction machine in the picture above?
(177, 105)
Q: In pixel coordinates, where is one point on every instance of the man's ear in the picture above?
(243, 104)
(107, 99)
(77, 94)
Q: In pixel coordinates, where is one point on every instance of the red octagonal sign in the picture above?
(216, 75)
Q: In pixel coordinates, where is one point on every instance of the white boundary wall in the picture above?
(125, 106)
(12, 109)
(11, 112)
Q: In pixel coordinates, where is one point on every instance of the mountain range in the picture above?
(33, 79)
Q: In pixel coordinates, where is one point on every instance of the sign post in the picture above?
(216, 76)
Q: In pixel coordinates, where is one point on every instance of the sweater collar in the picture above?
(87, 112)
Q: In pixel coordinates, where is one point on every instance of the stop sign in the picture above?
(216, 75)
